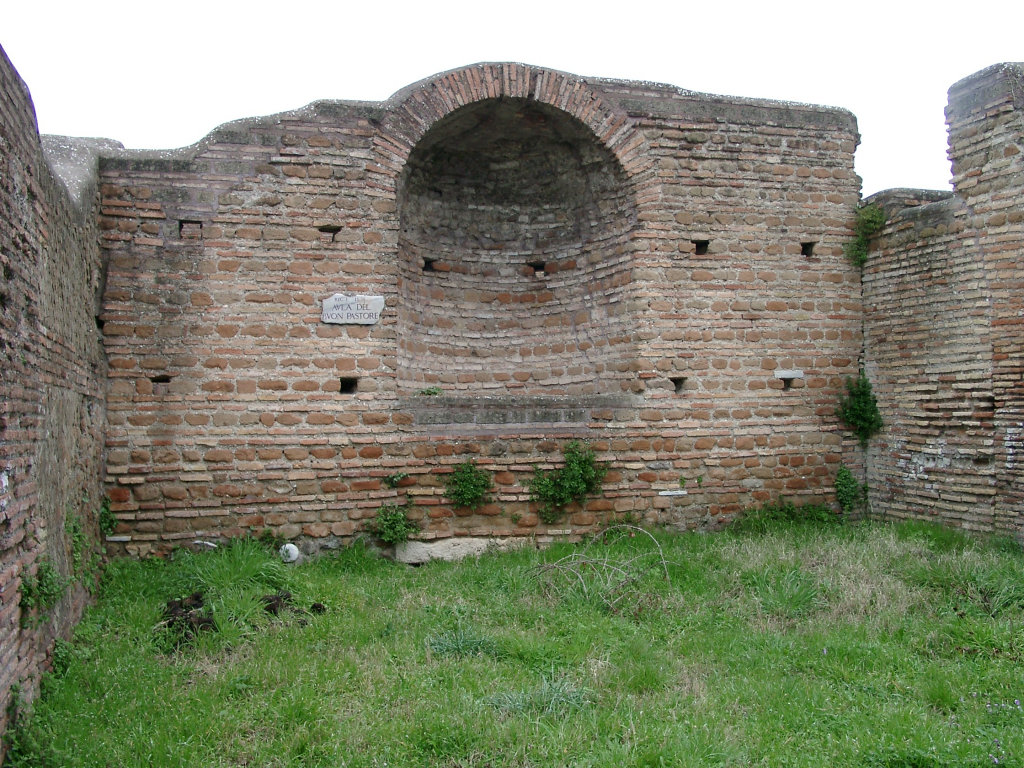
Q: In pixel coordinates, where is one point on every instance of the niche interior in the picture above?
(514, 256)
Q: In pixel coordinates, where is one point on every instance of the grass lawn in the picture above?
(790, 645)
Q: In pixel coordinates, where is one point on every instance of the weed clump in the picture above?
(225, 594)
(468, 486)
(850, 493)
(462, 641)
(788, 592)
(579, 477)
(608, 571)
(393, 525)
(551, 697)
(41, 592)
(869, 222)
(782, 513)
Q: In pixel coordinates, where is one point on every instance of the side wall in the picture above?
(929, 358)
(52, 374)
(944, 324)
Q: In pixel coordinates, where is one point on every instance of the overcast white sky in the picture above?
(164, 74)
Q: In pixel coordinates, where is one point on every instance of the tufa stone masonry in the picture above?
(306, 316)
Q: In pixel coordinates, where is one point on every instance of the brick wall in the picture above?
(52, 377)
(929, 358)
(943, 324)
(657, 272)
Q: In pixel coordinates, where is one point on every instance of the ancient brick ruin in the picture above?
(623, 263)
(524, 258)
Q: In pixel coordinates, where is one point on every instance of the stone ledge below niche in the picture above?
(510, 413)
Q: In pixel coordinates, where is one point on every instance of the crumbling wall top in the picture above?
(994, 83)
(457, 87)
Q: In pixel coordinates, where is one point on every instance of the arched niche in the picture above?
(514, 255)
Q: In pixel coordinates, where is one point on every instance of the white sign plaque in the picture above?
(345, 309)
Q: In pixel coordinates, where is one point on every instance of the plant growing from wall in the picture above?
(85, 556)
(850, 493)
(858, 409)
(107, 519)
(393, 525)
(580, 476)
(395, 480)
(869, 222)
(468, 486)
(41, 592)
(80, 544)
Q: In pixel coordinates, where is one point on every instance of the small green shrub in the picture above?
(850, 493)
(41, 592)
(392, 525)
(468, 486)
(580, 476)
(430, 391)
(858, 409)
(869, 222)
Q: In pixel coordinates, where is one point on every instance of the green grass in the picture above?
(797, 644)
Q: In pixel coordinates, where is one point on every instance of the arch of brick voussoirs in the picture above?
(411, 112)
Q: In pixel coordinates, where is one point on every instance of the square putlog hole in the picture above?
(807, 249)
(160, 382)
(190, 229)
(678, 384)
(700, 247)
(349, 385)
